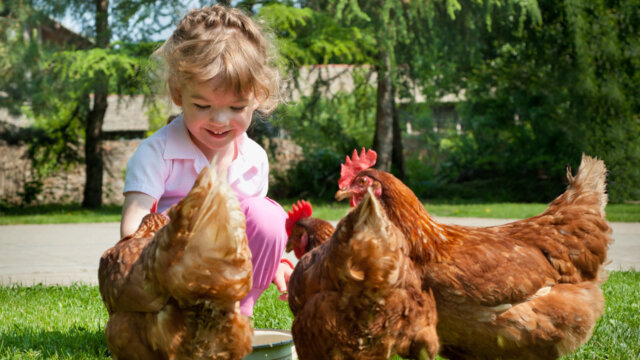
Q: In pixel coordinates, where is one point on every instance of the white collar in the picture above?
(180, 146)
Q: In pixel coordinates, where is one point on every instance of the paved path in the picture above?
(67, 253)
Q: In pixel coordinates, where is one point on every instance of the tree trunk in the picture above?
(383, 138)
(94, 163)
(398, 151)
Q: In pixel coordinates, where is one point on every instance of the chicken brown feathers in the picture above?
(305, 233)
(171, 289)
(524, 290)
(357, 296)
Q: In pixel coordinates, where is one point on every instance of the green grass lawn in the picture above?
(67, 322)
(61, 214)
(58, 214)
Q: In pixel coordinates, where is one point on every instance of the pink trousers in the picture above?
(267, 240)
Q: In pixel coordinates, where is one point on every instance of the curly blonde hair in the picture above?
(220, 41)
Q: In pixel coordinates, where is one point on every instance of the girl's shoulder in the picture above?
(150, 150)
(168, 140)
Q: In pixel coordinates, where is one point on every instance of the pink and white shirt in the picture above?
(165, 166)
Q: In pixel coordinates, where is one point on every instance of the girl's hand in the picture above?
(136, 206)
(281, 279)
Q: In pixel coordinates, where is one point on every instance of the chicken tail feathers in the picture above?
(577, 223)
(589, 180)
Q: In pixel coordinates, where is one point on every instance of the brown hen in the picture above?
(524, 290)
(305, 232)
(172, 288)
(357, 296)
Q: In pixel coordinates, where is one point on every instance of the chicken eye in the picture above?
(363, 181)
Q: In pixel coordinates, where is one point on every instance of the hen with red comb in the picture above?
(532, 284)
(352, 166)
(299, 210)
(305, 233)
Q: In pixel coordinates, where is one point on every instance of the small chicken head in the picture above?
(298, 237)
(353, 181)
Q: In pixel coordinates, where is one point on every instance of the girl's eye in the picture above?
(238, 108)
(201, 107)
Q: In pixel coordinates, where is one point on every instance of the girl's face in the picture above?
(213, 115)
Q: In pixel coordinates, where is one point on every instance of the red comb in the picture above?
(354, 165)
(300, 210)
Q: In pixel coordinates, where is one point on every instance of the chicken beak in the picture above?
(343, 194)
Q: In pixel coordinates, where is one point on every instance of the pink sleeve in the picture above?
(146, 170)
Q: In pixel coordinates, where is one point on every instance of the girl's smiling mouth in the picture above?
(218, 133)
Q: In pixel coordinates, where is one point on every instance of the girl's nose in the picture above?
(219, 117)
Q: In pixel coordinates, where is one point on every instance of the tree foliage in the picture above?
(541, 96)
(542, 80)
(61, 107)
(410, 50)
(309, 38)
(66, 88)
(20, 53)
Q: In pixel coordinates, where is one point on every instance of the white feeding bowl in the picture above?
(272, 345)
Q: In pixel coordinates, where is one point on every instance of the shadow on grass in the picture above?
(32, 342)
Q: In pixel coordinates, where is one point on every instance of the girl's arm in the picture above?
(136, 206)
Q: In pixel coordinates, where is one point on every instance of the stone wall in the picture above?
(68, 187)
(14, 171)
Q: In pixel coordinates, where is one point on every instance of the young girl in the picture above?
(220, 72)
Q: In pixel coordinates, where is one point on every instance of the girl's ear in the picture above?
(176, 93)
